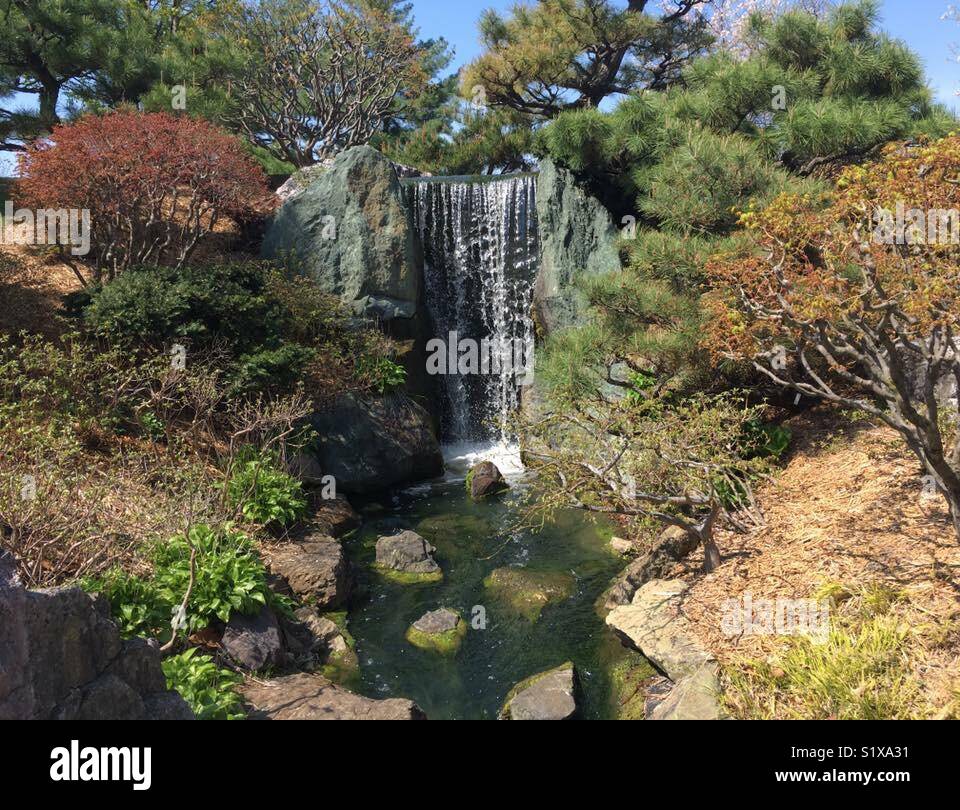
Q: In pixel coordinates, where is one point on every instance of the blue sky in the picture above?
(917, 22)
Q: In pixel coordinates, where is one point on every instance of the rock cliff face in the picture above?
(62, 658)
(350, 231)
(577, 237)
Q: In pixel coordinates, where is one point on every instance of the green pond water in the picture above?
(472, 541)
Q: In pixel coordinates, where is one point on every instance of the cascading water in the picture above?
(481, 250)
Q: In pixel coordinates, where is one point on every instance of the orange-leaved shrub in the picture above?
(858, 303)
(154, 185)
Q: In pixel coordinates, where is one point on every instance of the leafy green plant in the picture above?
(382, 373)
(263, 492)
(767, 441)
(136, 604)
(640, 383)
(210, 690)
(229, 577)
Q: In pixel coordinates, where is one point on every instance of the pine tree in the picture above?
(813, 95)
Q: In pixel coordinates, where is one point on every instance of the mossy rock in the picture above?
(525, 592)
(627, 696)
(446, 642)
(564, 688)
(406, 577)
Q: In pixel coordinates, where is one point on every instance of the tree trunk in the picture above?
(711, 556)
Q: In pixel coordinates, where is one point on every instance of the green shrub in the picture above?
(263, 492)
(228, 309)
(229, 575)
(229, 578)
(381, 373)
(209, 690)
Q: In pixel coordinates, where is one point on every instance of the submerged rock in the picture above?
(548, 695)
(441, 630)
(316, 570)
(485, 479)
(407, 557)
(527, 592)
(253, 642)
(313, 697)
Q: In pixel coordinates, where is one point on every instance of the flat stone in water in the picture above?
(408, 553)
(549, 697)
(437, 621)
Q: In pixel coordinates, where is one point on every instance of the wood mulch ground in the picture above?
(849, 508)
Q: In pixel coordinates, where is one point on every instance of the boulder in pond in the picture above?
(526, 592)
(440, 630)
(253, 642)
(316, 570)
(407, 557)
(549, 695)
(485, 479)
(312, 697)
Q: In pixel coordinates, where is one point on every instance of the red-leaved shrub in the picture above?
(154, 184)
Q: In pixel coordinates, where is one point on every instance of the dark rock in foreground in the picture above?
(549, 695)
(62, 658)
(313, 697)
(254, 642)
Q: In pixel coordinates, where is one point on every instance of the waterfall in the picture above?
(480, 246)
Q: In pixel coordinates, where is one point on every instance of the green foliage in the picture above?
(381, 373)
(766, 440)
(263, 492)
(229, 576)
(209, 690)
(136, 603)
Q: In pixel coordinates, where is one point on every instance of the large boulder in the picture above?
(313, 697)
(407, 556)
(549, 695)
(62, 658)
(653, 623)
(315, 569)
(350, 230)
(375, 444)
(577, 237)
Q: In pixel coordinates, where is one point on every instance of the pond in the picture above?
(509, 638)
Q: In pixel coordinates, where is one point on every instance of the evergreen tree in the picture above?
(62, 50)
(676, 166)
